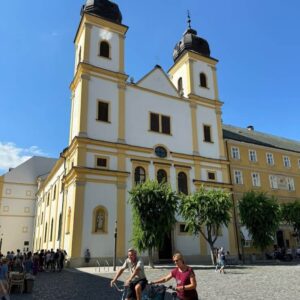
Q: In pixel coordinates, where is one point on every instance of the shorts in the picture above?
(131, 288)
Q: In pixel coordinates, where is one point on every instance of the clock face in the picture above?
(161, 151)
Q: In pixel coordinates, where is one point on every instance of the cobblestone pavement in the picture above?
(239, 282)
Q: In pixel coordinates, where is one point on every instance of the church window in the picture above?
(207, 133)
(104, 49)
(139, 175)
(48, 199)
(180, 86)
(160, 123)
(162, 176)
(182, 183)
(211, 175)
(203, 81)
(103, 111)
(45, 236)
(51, 230)
(54, 193)
(59, 227)
(100, 220)
(101, 162)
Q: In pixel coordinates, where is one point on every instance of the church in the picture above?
(166, 126)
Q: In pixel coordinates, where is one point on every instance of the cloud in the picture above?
(12, 156)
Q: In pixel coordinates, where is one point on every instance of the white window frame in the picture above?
(238, 177)
(255, 179)
(270, 159)
(235, 152)
(273, 182)
(290, 183)
(252, 155)
(286, 161)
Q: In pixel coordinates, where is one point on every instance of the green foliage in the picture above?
(154, 206)
(208, 208)
(290, 213)
(261, 215)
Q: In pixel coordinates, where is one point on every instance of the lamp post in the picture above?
(115, 248)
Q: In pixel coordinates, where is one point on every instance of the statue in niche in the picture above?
(100, 218)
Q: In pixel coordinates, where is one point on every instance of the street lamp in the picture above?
(115, 249)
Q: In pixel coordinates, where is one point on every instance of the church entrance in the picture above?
(165, 252)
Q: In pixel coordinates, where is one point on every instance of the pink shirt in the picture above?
(183, 278)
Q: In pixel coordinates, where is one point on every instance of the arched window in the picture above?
(59, 227)
(51, 230)
(69, 220)
(182, 183)
(104, 49)
(100, 220)
(46, 229)
(54, 192)
(203, 81)
(162, 176)
(139, 175)
(179, 86)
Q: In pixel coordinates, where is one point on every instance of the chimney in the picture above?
(250, 128)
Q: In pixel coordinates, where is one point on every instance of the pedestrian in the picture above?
(136, 281)
(184, 275)
(3, 278)
(221, 259)
(87, 256)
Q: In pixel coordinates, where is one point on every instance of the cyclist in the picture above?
(185, 279)
(137, 281)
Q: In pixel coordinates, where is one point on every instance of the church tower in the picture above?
(194, 75)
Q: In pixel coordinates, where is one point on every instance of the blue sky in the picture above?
(256, 42)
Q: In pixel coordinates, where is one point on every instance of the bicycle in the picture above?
(151, 292)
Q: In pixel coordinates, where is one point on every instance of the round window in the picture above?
(161, 151)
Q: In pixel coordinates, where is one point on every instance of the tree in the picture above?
(290, 213)
(205, 212)
(261, 216)
(154, 206)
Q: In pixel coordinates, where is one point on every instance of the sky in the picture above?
(257, 43)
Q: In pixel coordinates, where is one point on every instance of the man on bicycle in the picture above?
(137, 281)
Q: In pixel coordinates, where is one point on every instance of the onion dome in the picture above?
(103, 8)
(191, 42)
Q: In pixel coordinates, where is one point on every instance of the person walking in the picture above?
(221, 260)
(136, 281)
(184, 275)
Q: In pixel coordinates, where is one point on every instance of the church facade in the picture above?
(166, 126)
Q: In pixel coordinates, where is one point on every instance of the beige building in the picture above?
(266, 163)
(18, 189)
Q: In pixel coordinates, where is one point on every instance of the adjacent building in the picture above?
(18, 189)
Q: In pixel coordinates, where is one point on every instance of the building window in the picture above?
(103, 111)
(54, 193)
(290, 184)
(180, 86)
(238, 177)
(42, 218)
(79, 55)
(183, 228)
(160, 123)
(104, 49)
(252, 156)
(139, 175)
(207, 133)
(270, 159)
(45, 236)
(59, 227)
(211, 175)
(162, 176)
(255, 179)
(235, 153)
(51, 230)
(182, 183)
(100, 219)
(286, 161)
(101, 162)
(203, 81)
(273, 182)
(48, 199)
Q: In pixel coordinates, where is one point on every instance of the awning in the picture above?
(245, 234)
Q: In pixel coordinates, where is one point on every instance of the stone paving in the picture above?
(239, 282)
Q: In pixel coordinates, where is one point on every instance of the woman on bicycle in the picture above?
(185, 279)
